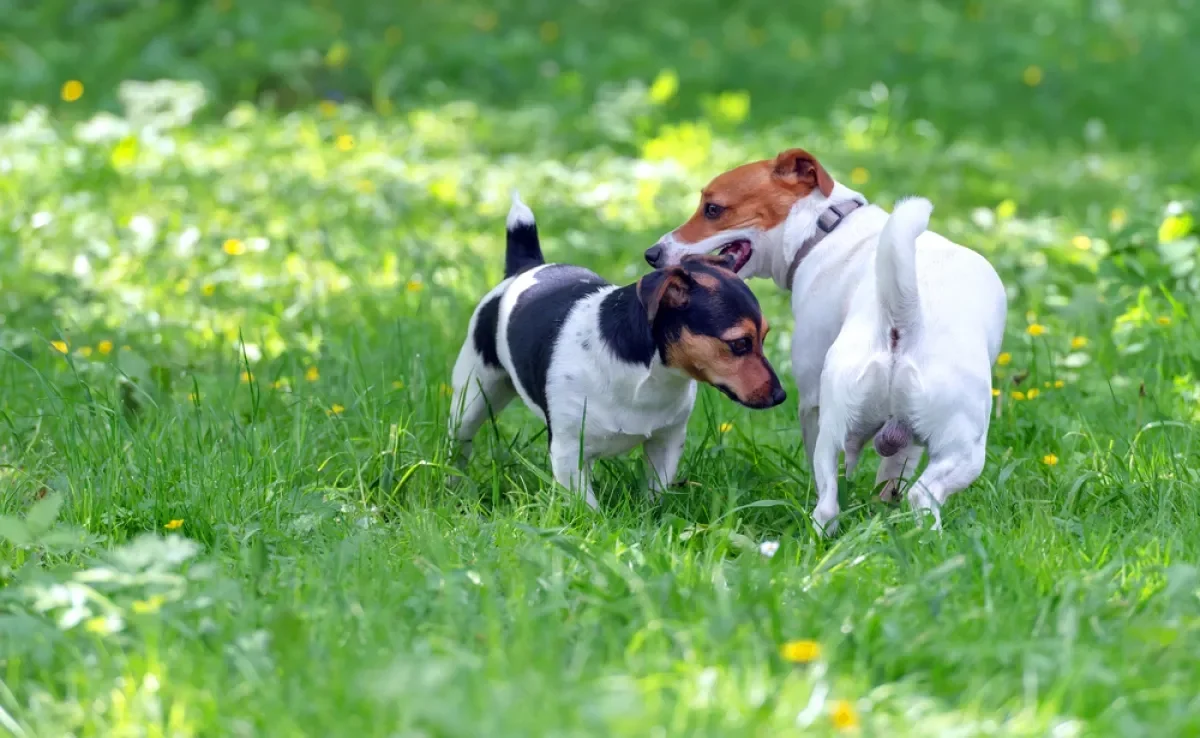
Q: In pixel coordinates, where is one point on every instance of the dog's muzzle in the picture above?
(654, 255)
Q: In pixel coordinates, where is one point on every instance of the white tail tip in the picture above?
(519, 214)
(915, 210)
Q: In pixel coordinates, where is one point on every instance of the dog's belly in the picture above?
(612, 444)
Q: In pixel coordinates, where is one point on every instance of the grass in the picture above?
(228, 312)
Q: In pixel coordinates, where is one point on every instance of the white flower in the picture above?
(768, 548)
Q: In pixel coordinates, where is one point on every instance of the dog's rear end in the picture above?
(482, 387)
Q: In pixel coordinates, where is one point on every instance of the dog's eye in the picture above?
(740, 346)
(712, 211)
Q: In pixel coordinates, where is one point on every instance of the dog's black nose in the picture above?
(653, 254)
(777, 396)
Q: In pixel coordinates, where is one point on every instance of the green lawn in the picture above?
(228, 312)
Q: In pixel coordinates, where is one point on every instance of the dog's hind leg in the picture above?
(479, 394)
(825, 473)
(951, 469)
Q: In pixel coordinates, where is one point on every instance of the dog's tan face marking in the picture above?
(756, 195)
(747, 376)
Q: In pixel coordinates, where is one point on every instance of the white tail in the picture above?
(896, 268)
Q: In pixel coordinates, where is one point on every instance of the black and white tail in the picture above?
(896, 269)
(524, 248)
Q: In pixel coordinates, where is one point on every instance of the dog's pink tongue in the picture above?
(893, 436)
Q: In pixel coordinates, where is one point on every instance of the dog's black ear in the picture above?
(798, 167)
(663, 288)
(724, 261)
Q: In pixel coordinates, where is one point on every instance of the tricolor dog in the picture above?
(897, 328)
(608, 368)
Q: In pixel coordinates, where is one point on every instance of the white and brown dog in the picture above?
(897, 328)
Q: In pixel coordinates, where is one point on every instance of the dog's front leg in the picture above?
(663, 451)
(572, 467)
(825, 466)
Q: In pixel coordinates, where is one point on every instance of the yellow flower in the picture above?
(398, 385)
(486, 21)
(105, 347)
(1035, 330)
(859, 176)
(174, 524)
(1004, 359)
(1117, 218)
(281, 383)
(725, 427)
(1006, 209)
(233, 247)
(1018, 395)
(842, 715)
(194, 397)
(147, 606)
(208, 290)
(124, 154)
(1059, 384)
(312, 374)
(336, 409)
(549, 32)
(328, 108)
(446, 389)
(98, 624)
(72, 90)
(1032, 393)
(664, 87)
(1050, 460)
(1163, 320)
(414, 286)
(1079, 342)
(1174, 227)
(1032, 75)
(800, 652)
(247, 376)
(1081, 242)
(60, 346)
(85, 352)
(995, 392)
(337, 55)
(345, 142)
(733, 107)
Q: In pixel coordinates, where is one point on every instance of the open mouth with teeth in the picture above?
(741, 251)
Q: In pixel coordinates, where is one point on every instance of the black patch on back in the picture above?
(625, 327)
(485, 332)
(537, 320)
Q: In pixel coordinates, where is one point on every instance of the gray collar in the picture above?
(826, 223)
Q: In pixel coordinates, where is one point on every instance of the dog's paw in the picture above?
(825, 522)
(925, 507)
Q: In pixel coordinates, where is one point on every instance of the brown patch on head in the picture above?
(755, 195)
(745, 376)
(666, 288)
(706, 281)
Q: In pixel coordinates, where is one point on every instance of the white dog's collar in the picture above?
(826, 223)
